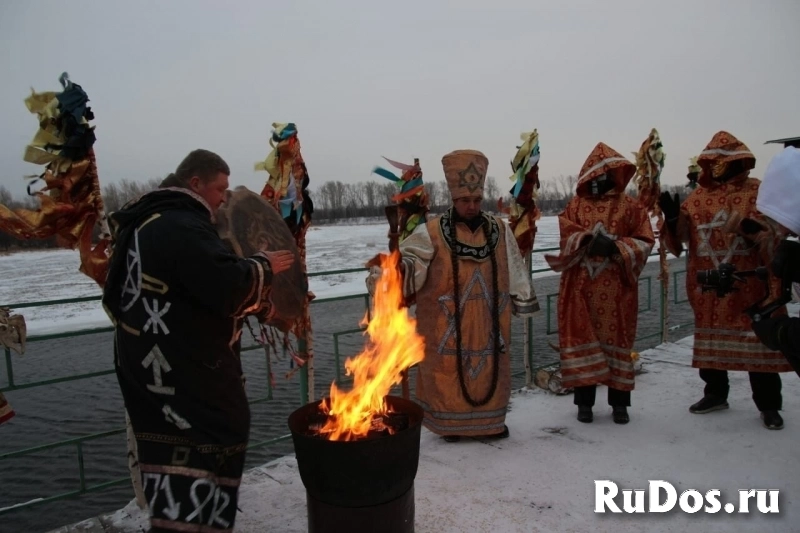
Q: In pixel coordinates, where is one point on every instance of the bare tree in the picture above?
(443, 195)
(491, 194)
(372, 194)
(112, 199)
(433, 193)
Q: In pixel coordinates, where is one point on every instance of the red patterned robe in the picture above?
(598, 297)
(724, 339)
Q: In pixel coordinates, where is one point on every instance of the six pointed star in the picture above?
(485, 295)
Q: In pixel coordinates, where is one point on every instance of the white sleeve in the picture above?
(523, 297)
(417, 253)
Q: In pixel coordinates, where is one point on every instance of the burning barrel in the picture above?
(362, 485)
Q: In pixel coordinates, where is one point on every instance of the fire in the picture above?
(393, 346)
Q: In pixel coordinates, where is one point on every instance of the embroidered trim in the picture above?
(201, 448)
(465, 250)
(526, 309)
(472, 415)
(186, 471)
(456, 428)
(601, 164)
(194, 195)
(720, 151)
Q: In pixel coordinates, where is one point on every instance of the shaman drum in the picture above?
(248, 223)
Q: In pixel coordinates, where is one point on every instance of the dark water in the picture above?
(68, 410)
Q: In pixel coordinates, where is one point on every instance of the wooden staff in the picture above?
(649, 165)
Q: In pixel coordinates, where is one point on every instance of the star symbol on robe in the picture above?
(470, 178)
(466, 354)
(595, 267)
(704, 236)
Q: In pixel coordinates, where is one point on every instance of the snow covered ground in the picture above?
(53, 274)
(542, 479)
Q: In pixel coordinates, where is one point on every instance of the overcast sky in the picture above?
(362, 79)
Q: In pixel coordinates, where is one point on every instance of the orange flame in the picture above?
(394, 346)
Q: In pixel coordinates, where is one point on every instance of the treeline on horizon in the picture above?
(334, 201)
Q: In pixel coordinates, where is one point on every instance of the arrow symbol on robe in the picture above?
(158, 362)
(174, 509)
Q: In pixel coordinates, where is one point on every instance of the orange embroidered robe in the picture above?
(429, 274)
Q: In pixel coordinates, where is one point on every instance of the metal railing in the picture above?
(303, 386)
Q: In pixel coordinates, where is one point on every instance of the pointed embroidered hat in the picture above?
(465, 172)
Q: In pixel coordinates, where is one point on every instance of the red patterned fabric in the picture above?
(598, 296)
(723, 337)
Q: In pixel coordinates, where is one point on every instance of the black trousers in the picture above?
(616, 398)
(766, 387)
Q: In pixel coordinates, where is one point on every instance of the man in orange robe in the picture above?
(606, 237)
(466, 272)
(724, 339)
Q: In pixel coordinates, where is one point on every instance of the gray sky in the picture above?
(363, 79)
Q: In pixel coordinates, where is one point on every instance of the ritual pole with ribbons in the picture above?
(71, 205)
(649, 165)
(287, 190)
(409, 209)
(522, 214)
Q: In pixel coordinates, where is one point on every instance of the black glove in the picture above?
(769, 331)
(602, 246)
(670, 206)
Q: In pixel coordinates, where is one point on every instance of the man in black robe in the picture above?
(178, 297)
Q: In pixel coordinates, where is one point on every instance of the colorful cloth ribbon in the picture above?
(412, 200)
(288, 179)
(526, 158)
(71, 203)
(410, 182)
(522, 211)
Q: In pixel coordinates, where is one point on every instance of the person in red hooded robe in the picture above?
(723, 337)
(606, 237)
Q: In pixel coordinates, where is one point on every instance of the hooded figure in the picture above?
(466, 272)
(723, 338)
(606, 237)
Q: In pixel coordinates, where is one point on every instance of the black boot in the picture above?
(771, 420)
(620, 414)
(451, 438)
(585, 414)
(707, 404)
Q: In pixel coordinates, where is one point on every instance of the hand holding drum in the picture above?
(280, 260)
(249, 224)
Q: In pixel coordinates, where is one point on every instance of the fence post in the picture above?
(9, 368)
(527, 340)
(305, 371)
